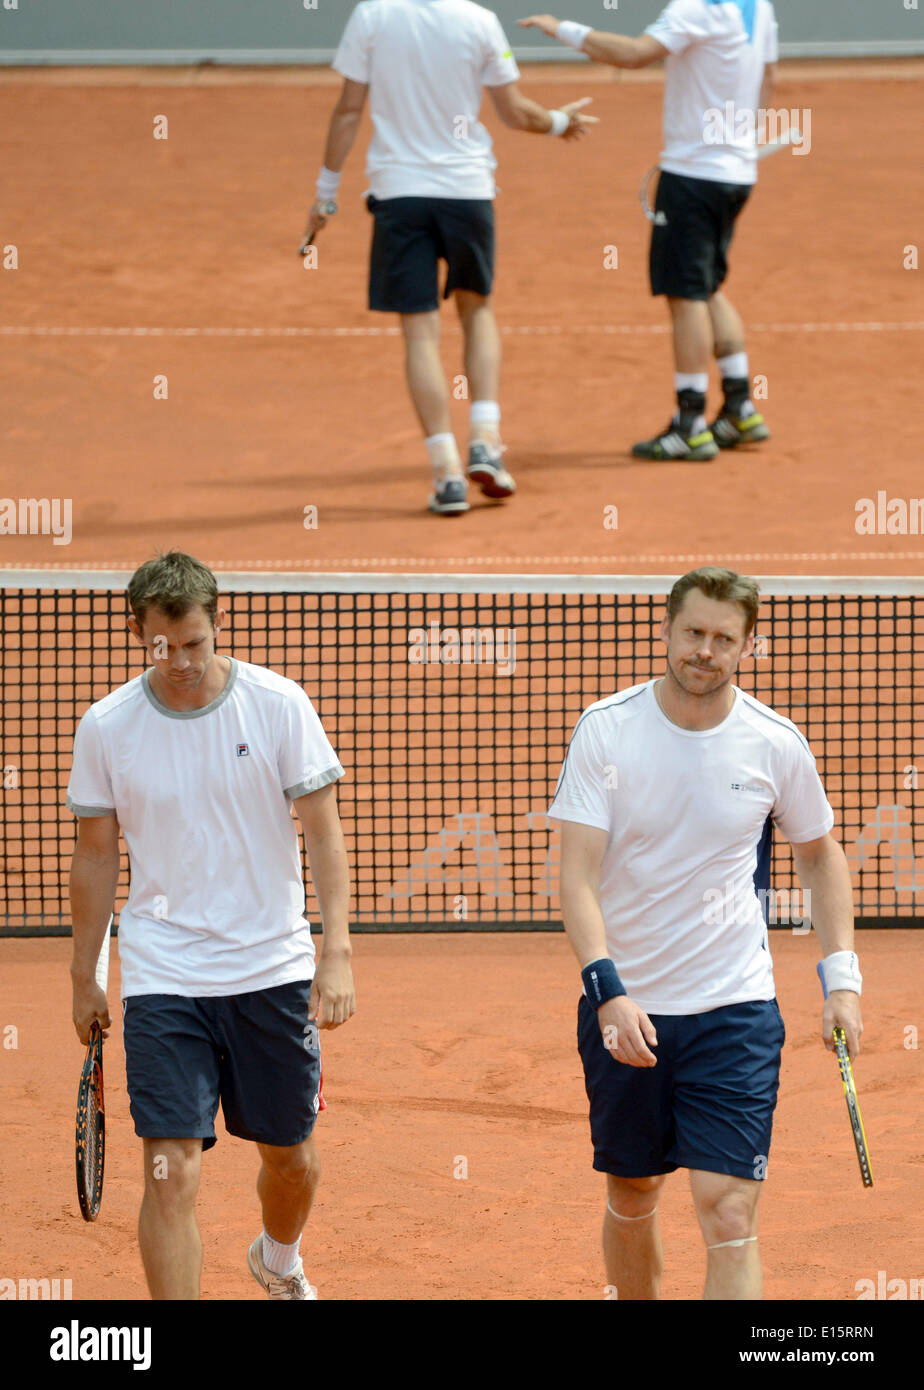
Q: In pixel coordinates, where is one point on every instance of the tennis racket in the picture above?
(850, 1091)
(91, 1118)
(793, 136)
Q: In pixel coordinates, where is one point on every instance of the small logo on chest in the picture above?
(243, 751)
(746, 787)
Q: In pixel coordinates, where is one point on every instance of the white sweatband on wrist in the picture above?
(841, 970)
(560, 122)
(328, 183)
(572, 34)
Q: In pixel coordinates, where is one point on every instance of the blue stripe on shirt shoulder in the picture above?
(748, 10)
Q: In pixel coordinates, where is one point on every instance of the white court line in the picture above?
(387, 564)
(521, 330)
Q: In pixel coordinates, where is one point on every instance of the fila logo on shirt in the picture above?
(242, 750)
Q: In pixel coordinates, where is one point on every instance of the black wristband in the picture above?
(601, 982)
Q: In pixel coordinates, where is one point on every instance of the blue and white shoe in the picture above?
(486, 469)
(450, 499)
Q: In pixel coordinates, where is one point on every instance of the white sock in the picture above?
(736, 364)
(444, 454)
(484, 419)
(691, 381)
(278, 1258)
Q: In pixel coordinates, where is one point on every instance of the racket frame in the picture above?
(91, 1076)
(850, 1093)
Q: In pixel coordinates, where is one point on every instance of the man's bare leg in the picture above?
(726, 1208)
(482, 368)
(632, 1238)
(286, 1184)
(171, 1250)
(482, 362)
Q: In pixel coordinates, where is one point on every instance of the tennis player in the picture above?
(200, 762)
(667, 799)
(720, 58)
(431, 175)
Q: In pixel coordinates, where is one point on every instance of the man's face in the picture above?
(705, 642)
(179, 649)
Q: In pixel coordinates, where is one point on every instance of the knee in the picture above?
(731, 1216)
(298, 1166)
(171, 1175)
(632, 1197)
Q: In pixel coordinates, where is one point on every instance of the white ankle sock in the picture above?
(278, 1258)
(691, 381)
(444, 454)
(484, 420)
(736, 364)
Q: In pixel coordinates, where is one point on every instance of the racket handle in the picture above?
(102, 964)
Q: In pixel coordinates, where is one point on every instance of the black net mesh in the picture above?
(451, 713)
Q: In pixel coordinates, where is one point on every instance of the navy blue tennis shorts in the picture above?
(707, 1104)
(688, 257)
(256, 1053)
(412, 236)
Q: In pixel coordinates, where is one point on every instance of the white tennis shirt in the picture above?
(426, 62)
(203, 797)
(717, 51)
(684, 810)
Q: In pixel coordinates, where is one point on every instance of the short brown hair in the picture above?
(174, 583)
(724, 585)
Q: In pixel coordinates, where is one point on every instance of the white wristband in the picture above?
(842, 971)
(560, 122)
(572, 34)
(328, 183)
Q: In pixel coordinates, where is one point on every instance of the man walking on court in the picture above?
(431, 173)
(667, 799)
(720, 56)
(199, 761)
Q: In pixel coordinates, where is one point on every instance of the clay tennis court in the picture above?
(140, 258)
(463, 1049)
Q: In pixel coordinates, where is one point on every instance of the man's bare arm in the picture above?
(627, 1031)
(520, 112)
(93, 879)
(823, 873)
(616, 50)
(344, 124)
(332, 994)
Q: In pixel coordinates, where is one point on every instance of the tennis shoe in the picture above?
(449, 498)
(285, 1286)
(730, 430)
(672, 443)
(486, 469)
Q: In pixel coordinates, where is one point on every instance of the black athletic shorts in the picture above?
(257, 1053)
(689, 249)
(707, 1104)
(412, 236)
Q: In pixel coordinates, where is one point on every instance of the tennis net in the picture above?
(450, 702)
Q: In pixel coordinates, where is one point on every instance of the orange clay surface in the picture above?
(463, 1052)
(179, 243)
